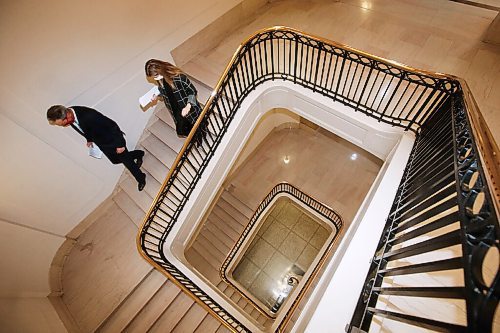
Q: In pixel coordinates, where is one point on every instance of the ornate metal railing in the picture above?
(443, 184)
(326, 212)
(382, 89)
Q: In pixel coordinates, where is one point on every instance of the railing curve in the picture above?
(327, 213)
(385, 90)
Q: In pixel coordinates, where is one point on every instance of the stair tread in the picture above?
(157, 169)
(167, 135)
(221, 235)
(161, 151)
(239, 192)
(219, 239)
(152, 185)
(236, 203)
(212, 274)
(210, 246)
(170, 317)
(199, 263)
(201, 72)
(154, 308)
(222, 226)
(209, 324)
(223, 329)
(211, 259)
(191, 319)
(134, 303)
(204, 91)
(228, 219)
(129, 206)
(233, 212)
(164, 114)
(142, 199)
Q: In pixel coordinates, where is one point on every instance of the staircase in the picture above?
(156, 304)
(218, 235)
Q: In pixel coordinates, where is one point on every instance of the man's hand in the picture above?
(186, 110)
(120, 150)
(90, 144)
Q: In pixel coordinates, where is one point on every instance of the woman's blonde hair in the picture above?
(167, 70)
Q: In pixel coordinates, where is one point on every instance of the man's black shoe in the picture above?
(142, 184)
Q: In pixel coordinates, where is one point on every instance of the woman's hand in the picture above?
(154, 99)
(120, 150)
(186, 110)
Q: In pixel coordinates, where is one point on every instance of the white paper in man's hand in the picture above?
(95, 152)
(148, 97)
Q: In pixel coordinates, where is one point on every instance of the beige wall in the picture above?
(266, 124)
(25, 260)
(29, 315)
(74, 53)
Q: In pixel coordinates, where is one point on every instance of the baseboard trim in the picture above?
(64, 314)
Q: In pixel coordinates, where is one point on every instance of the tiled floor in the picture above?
(287, 241)
(319, 164)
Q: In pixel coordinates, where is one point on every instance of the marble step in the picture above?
(222, 237)
(167, 134)
(156, 306)
(208, 253)
(235, 213)
(164, 114)
(223, 227)
(223, 329)
(204, 90)
(154, 167)
(129, 206)
(212, 248)
(219, 240)
(228, 219)
(191, 319)
(152, 185)
(142, 199)
(196, 259)
(202, 71)
(170, 317)
(236, 203)
(208, 325)
(134, 303)
(162, 152)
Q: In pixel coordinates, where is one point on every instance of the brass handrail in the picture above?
(488, 147)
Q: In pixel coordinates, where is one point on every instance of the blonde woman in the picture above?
(179, 95)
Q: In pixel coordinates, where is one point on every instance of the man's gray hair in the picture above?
(56, 112)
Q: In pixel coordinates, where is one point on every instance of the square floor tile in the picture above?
(289, 215)
(319, 238)
(246, 272)
(275, 234)
(278, 206)
(292, 246)
(262, 288)
(260, 253)
(264, 225)
(307, 257)
(305, 227)
(278, 266)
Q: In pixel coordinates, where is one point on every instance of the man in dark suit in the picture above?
(102, 131)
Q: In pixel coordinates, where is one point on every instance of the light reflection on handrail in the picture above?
(488, 147)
